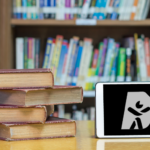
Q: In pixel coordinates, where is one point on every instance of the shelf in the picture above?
(89, 94)
(50, 22)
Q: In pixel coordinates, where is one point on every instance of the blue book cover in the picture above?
(24, 8)
(41, 16)
(72, 62)
(47, 52)
(77, 65)
(101, 15)
(114, 14)
(97, 8)
(63, 53)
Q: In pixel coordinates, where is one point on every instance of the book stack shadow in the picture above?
(27, 99)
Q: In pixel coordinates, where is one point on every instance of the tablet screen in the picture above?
(126, 109)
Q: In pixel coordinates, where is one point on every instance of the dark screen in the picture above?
(115, 99)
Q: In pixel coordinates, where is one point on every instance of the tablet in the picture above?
(122, 109)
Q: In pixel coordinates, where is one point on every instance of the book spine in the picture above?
(19, 53)
(80, 4)
(72, 61)
(114, 67)
(33, 8)
(54, 8)
(75, 9)
(56, 54)
(19, 9)
(60, 15)
(46, 8)
(122, 9)
(41, 15)
(133, 11)
(37, 53)
(147, 56)
(128, 65)
(67, 5)
(67, 61)
(114, 15)
(77, 65)
(61, 61)
(142, 64)
(47, 53)
(137, 57)
(30, 54)
(24, 9)
(97, 9)
(92, 9)
(105, 41)
(137, 14)
(141, 10)
(110, 9)
(29, 9)
(121, 64)
(14, 9)
(107, 59)
(51, 55)
(102, 10)
(25, 53)
(61, 111)
(72, 3)
(85, 8)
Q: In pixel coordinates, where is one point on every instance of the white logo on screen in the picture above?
(137, 111)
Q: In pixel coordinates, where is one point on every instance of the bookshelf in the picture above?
(12, 28)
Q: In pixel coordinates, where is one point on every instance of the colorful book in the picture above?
(115, 15)
(47, 53)
(14, 9)
(60, 14)
(97, 9)
(25, 53)
(110, 9)
(29, 9)
(53, 9)
(92, 9)
(134, 8)
(33, 11)
(24, 9)
(51, 129)
(121, 64)
(37, 52)
(67, 9)
(41, 5)
(102, 13)
(80, 4)
(19, 9)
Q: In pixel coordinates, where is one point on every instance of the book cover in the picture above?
(67, 9)
(102, 14)
(128, 77)
(121, 64)
(137, 14)
(19, 53)
(46, 9)
(97, 9)
(75, 9)
(60, 14)
(72, 60)
(29, 9)
(92, 9)
(114, 15)
(110, 9)
(122, 9)
(141, 9)
(77, 65)
(80, 4)
(53, 9)
(56, 54)
(47, 53)
(33, 10)
(37, 52)
(41, 5)
(25, 53)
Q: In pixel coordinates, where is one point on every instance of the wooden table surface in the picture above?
(84, 140)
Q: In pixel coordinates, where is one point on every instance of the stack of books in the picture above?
(27, 101)
(85, 9)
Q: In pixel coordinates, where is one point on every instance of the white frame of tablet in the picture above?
(99, 105)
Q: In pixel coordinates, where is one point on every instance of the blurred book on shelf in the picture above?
(81, 9)
(79, 63)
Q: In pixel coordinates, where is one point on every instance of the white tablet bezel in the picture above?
(99, 105)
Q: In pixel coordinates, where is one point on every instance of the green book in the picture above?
(25, 53)
(121, 64)
(80, 4)
(29, 9)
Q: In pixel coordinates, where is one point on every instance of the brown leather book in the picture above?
(38, 114)
(42, 96)
(25, 78)
(53, 128)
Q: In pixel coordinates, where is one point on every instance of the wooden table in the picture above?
(84, 140)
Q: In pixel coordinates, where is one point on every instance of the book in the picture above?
(133, 11)
(25, 54)
(97, 9)
(53, 9)
(141, 57)
(25, 78)
(46, 9)
(41, 96)
(24, 9)
(67, 9)
(102, 13)
(92, 9)
(18, 9)
(29, 9)
(14, 9)
(19, 53)
(60, 13)
(37, 53)
(110, 9)
(51, 129)
(141, 9)
(41, 5)
(121, 64)
(137, 14)
(61, 111)
(33, 9)
(114, 15)
(145, 10)
(80, 4)
(147, 57)
(122, 9)
(14, 114)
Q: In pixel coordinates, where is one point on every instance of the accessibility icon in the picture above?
(137, 111)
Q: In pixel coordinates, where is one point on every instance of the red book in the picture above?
(42, 96)
(26, 78)
(53, 128)
(95, 58)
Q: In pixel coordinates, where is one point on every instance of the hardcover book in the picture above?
(53, 128)
(26, 78)
(13, 114)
